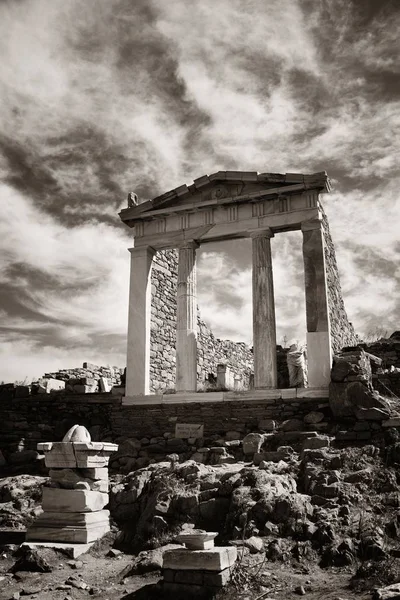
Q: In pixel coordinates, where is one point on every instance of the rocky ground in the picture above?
(308, 519)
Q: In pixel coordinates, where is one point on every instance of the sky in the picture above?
(102, 97)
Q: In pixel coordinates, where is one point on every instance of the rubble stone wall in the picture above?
(342, 331)
(25, 421)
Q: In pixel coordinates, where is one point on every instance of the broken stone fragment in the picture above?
(75, 479)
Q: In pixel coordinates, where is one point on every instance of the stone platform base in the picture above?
(71, 550)
(214, 579)
(81, 528)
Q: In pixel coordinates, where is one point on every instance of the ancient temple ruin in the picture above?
(231, 205)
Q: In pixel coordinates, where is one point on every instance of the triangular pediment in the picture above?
(222, 187)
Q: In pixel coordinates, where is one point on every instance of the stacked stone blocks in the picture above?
(199, 568)
(73, 507)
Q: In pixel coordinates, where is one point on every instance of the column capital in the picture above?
(262, 233)
(311, 225)
(142, 251)
(192, 244)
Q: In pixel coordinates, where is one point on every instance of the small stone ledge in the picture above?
(259, 396)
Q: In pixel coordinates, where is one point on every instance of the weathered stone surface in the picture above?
(30, 560)
(46, 386)
(60, 500)
(72, 479)
(390, 592)
(313, 417)
(252, 443)
(254, 544)
(215, 559)
(314, 443)
(77, 433)
(264, 326)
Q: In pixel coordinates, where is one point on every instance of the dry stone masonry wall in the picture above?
(342, 331)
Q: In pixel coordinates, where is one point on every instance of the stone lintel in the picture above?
(311, 224)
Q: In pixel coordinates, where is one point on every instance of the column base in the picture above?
(319, 358)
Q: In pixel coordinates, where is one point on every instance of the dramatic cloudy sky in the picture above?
(102, 97)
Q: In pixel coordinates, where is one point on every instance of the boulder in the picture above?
(254, 544)
(252, 443)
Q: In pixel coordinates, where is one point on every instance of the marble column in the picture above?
(186, 320)
(319, 351)
(264, 328)
(138, 353)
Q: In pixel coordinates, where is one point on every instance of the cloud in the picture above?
(73, 281)
(225, 289)
(100, 99)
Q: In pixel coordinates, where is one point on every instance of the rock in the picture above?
(233, 435)
(252, 443)
(148, 560)
(267, 425)
(341, 368)
(254, 544)
(46, 386)
(292, 425)
(30, 560)
(315, 443)
(390, 592)
(313, 417)
(299, 590)
(270, 529)
(213, 512)
(113, 553)
(76, 583)
(372, 414)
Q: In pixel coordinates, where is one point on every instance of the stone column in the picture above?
(186, 320)
(319, 351)
(138, 354)
(264, 328)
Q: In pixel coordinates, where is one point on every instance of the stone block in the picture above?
(252, 443)
(50, 385)
(267, 425)
(58, 454)
(313, 417)
(60, 500)
(105, 386)
(315, 443)
(391, 423)
(73, 479)
(71, 550)
(215, 559)
(182, 591)
(70, 534)
(191, 577)
(82, 519)
(217, 579)
(372, 414)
